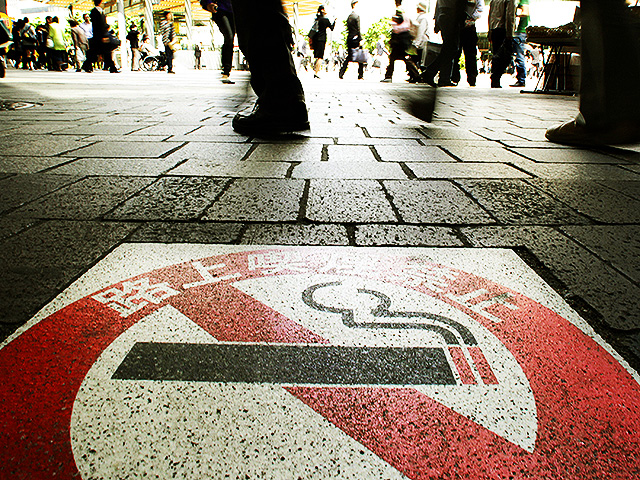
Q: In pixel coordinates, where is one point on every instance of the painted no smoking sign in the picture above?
(193, 361)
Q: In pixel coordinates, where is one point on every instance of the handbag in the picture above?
(360, 55)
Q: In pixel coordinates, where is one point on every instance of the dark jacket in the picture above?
(100, 27)
(354, 37)
(323, 24)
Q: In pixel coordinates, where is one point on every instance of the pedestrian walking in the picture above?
(86, 26)
(197, 55)
(354, 43)
(264, 35)
(400, 42)
(318, 38)
(519, 41)
(168, 32)
(449, 19)
(222, 15)
(134, 44)
(80, 44)
(469, 44)
(29, 42)
(102, 42)
(420, 34)
(502, 19)
(56, 33)
(609, 95)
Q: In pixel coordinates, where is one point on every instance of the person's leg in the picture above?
(345, 63)
(501, 55)
(521, 69)
(264, 35)
(226, 25)
(393, 56)
(361, 67)
(169, 54)
(469, 40)
(412, 69)
(450, 23)
(609, 97)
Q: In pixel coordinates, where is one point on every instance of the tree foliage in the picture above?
(381, 28)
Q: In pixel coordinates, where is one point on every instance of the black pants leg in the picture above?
(227, 26)
(610, 59)
(169, 53)
(469, 44)
(264, 36)
(501, 49)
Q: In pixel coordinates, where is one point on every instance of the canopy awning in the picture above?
(305, 7)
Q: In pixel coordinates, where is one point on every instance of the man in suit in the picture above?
(354, 40)
(264, 36)
(100, 43)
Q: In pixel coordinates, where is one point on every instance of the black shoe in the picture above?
(268, 122)
(114, 70)
(447, 84)
(518, 84)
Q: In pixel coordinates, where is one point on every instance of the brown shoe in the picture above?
(573, 133)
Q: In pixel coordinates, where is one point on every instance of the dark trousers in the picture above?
(345, 64)
(468, 46)
(610, 58)
(169, 53)
(502, 49)
(399, 52)
(96, 49)
(450, 22)
(264, 36)
(226, 24)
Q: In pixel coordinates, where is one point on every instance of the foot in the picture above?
(386, 80)
(114, 70)
(447, 84)
(263, 121)
(518, 84)
(317, 76)
(495, 83)
(226, 80)
(574, 133)
(171, 71)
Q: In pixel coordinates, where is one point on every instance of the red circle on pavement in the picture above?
(587, 402)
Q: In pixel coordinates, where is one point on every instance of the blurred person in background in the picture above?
(469, 44)
(101, 41)
(168, 32)
(519, 41)
(56, 33)
(134, 45)
(400, 43)
(319, 40)
(222, 15)
(354, 40)
(29, 42)
(502, 26)
(80, 44)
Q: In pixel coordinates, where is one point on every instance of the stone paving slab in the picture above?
(482, 154)
(563, 155)
(287, 153)
(197, 152)
(586, 276)
(465, 170)
(579, 171)
(412, 153)
(29, 164)
(145, 167)
(600, 203)
(348, 201)
(346, 153)
(187, 232)
(612, 243)
(19, 189)
(232, 168)
(516, 202)
(87, 199)
(258, 200)
(434, 202)
(285, 234)
(40, 147)
(172, 198)
(340, 169)
(124, 149)
(409, 235)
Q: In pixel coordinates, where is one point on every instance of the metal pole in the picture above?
(148, 22)
(188, 18)
(122, 35)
